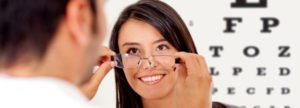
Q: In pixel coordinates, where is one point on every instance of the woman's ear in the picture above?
(78, 21)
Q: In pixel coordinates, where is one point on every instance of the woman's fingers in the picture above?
(180, 70)
(105, 54)
(102, 71)
(194, 82)
(203, 66)
(105, 65)
(106, 51)
(192, 63)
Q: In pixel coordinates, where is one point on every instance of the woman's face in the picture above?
(142, 39)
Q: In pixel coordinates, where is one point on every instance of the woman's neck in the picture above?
(165, 102)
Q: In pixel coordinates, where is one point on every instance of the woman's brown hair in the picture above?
(170, 25)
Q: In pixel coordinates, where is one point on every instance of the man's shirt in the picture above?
(40, 92)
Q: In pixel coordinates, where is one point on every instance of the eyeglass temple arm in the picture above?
(112, 58)
(177, 60)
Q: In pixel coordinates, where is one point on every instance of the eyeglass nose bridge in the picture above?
(145, 58)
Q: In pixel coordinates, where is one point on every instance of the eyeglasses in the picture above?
(158, 62)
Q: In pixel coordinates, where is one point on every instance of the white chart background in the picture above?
(207, 30)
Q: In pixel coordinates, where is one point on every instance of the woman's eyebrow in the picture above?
(135, 43)
(159, 40)
(130, 43)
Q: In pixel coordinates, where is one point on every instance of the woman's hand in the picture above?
(90, 88)
(193, 89)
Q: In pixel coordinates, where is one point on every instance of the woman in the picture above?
(149, 37)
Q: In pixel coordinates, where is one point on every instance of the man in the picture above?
(48, 49)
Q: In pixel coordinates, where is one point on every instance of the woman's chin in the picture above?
(153, 95)
(155, 88)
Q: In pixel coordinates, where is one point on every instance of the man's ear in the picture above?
(78, 21)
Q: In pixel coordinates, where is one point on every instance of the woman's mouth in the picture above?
(152, 79)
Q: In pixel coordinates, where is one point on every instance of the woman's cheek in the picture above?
(130, 76)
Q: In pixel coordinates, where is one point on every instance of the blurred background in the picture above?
(250, 67)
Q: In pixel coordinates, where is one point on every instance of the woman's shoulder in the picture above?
(222, 105)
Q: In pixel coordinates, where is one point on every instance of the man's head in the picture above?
(58, 38)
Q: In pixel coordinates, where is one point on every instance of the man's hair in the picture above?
(28, 26)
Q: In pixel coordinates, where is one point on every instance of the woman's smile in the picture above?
(152, 79)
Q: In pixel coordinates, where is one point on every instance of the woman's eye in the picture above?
(162, 47)
(132, 51)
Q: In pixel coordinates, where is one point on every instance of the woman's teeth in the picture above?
(152, 78)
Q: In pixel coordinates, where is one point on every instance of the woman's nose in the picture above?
(144, 63)
(147, 63)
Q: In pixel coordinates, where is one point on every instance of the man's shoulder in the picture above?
(40, 93)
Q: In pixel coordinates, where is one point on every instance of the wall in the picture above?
(255, 64)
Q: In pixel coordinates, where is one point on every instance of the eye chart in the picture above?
(252, 48)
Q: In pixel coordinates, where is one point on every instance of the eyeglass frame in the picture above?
(177, 60)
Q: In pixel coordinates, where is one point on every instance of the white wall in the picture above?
(207, 30)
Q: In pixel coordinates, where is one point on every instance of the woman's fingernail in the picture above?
(113, 64)
(178, 66)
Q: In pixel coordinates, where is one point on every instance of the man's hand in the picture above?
(105, 65)
(193, 89)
